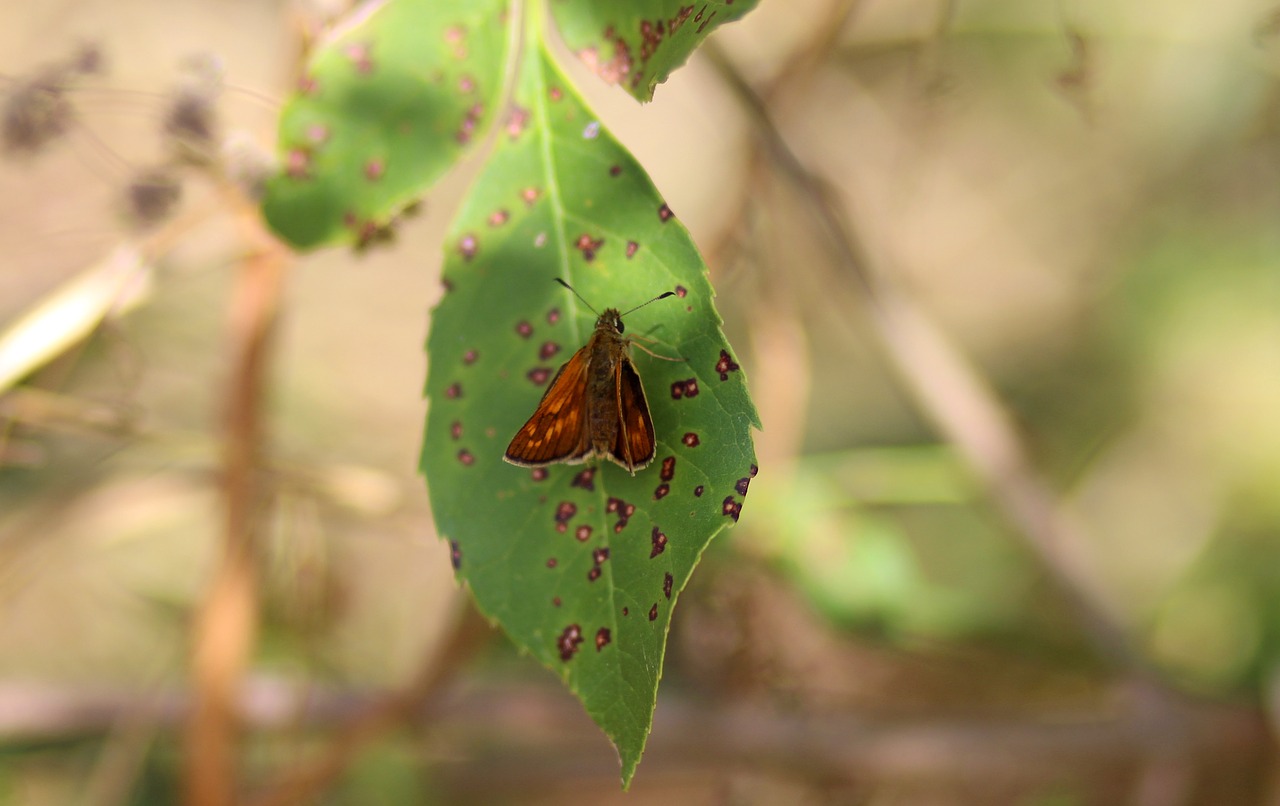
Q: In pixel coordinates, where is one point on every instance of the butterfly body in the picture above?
(609, 352)
(594, 407)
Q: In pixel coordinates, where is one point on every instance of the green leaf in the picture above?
(580, 564)
(639, 43)
(383, 109)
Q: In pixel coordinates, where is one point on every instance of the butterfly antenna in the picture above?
(579, 296)
(663, 295)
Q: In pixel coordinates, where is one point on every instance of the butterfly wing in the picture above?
(557, 431)
(635, 445)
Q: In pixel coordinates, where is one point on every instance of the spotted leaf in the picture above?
(580, 564)
(383, 109)
(638, 44)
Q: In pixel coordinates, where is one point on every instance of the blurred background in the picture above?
(1005, 279)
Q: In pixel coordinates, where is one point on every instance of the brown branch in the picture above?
(522, 738)
(796, 69)
(950, 393)
(227, 621)
(805, 59)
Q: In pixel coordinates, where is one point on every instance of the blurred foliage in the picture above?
(381, 112)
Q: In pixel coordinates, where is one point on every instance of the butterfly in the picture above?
(595, 405)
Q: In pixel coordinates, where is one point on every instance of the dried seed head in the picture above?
(88, 59)
(152, 196)
(36, 112)
(191, 120)
(191, 126)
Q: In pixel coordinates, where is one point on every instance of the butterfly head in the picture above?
(610, 320)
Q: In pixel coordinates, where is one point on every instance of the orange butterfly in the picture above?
(595, 406)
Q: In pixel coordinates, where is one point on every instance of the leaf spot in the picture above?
(599, 556)
(468, 246)
(731, 508)
(725, 365)
(588, 247)
(455, 555)
(523, 329)
(370, 232)
(691, 440)
(517, 120)
(603, 638)
(586, 480)
(674, 24)
(565, 511)
(568, 642)
(539, 375)
(668, 468)
(659, 541)
(297, 163)
(667, 582)
(358, 54)
(617, 68)
(623, 510)
(469, 123)
(687, 388)
(651, 35)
